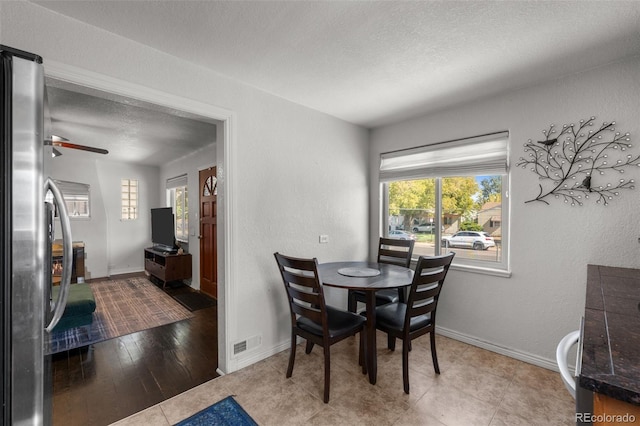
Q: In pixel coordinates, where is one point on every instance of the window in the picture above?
(177, 198)
(460, 187)
(76, 198)
(129, 192)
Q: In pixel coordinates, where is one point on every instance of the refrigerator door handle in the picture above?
(562, 352)
(58, 305)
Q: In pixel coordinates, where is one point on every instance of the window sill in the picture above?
(476, 269)
(481, 270)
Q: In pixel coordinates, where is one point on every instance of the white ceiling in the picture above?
(132, 131)
(374, 63)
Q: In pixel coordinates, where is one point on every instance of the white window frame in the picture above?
(453, 159)
(173, 185)
(74, 194)
(133, 203)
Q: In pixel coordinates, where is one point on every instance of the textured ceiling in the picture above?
(374, 63)
(132, 131)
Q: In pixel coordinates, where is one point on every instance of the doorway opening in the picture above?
(128, 94)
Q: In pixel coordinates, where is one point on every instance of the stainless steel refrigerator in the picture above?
(26, 232)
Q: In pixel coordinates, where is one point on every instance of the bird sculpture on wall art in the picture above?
(549, 142)
(586, 184)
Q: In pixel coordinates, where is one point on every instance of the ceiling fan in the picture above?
(59, 141)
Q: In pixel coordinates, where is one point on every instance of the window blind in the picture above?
(480, 155)
(72, 188)
(177, 181)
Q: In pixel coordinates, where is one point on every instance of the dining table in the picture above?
(368, 277)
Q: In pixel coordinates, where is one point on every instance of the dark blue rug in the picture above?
(225, 412)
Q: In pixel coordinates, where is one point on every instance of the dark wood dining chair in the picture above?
(417, 317)
(392, 251)
(311, 318)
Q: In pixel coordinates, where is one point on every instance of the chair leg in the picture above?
(391, 342)
(362, 360)
(327, 372)
(402, 294)
(292, 355)
(352, 304)
(434, 355)
(405, 364)
(309, 347)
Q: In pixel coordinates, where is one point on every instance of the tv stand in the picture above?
(166, 266)
(164, 249)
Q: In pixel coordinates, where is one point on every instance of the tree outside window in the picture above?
(178, 199)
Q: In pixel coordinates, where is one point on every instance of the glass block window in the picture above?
(129, 197)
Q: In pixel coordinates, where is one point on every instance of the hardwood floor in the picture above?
(116, 378)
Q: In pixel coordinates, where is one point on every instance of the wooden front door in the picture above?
(208, 232)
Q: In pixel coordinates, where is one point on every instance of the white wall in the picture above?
(526, 315)
(297, 173)
(112, 246)
(126, 239)
(190, 165)
(92, 231)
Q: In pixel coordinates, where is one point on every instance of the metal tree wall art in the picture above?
(572, 162)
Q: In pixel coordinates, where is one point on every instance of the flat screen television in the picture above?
(162, 229)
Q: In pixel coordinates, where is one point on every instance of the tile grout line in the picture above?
(513, 378)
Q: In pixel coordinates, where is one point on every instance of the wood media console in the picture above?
(167, 267)
(77, 268)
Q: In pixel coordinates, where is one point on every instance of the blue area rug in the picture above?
(225, 412)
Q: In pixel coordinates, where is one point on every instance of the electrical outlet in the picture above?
(324, 239)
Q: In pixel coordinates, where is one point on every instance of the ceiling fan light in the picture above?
(56, 138)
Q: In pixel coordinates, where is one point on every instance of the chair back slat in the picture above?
(428, 280)
(303, 296)
(300, 279)
(303, 287)
(307, 311)
(427, 284)
(423, 309)
(426, 294)
(395, 252)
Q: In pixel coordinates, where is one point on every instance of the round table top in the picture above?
(390, 276)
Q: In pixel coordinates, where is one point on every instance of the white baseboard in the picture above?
(120, 271)
(256, 356)
(512, 353)
(252, 356)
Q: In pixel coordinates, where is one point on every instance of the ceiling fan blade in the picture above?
(80, 147)
(64, 143)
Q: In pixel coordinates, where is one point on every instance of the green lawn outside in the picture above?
(425, 238)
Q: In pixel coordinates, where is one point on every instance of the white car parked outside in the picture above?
(401, 235)
(476, 240)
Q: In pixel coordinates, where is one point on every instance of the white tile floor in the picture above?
(475, 387)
